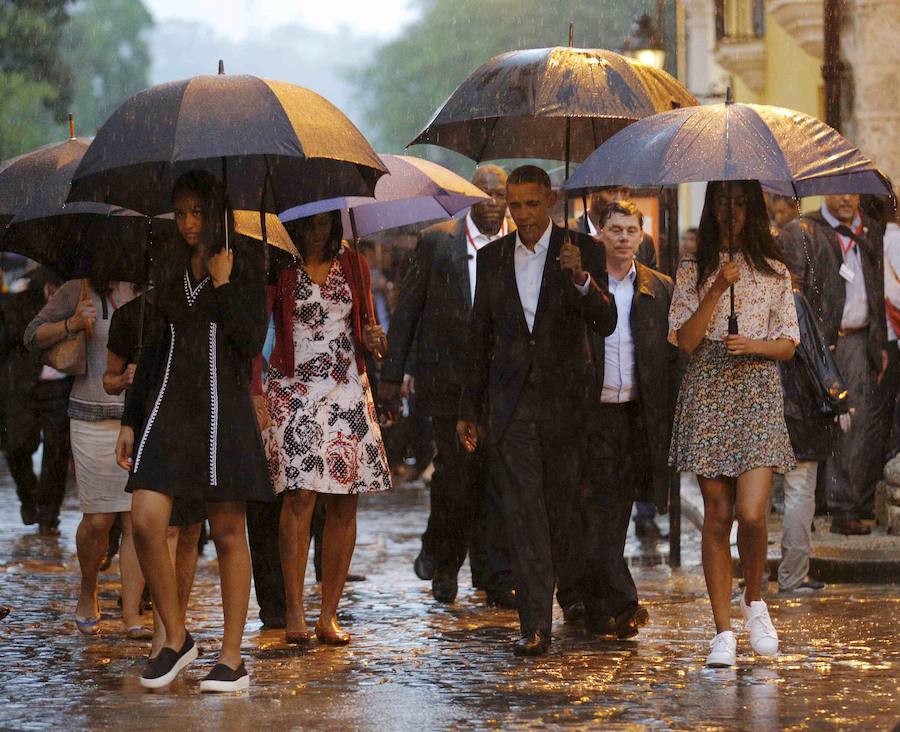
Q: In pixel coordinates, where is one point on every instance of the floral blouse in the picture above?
(764, 304)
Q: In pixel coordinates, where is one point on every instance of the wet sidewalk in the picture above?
(417, 665)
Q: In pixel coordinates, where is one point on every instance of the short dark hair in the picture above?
(779, 198)
(529, 174)
(622, 208)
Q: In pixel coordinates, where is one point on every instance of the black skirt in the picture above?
(198, 437)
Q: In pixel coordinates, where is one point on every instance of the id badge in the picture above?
(847, 273)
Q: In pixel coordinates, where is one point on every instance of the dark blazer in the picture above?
(814, 255)
(502, 352)
(656, 365)
(430, 323)
(646, 253)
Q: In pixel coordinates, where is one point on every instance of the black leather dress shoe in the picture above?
(29, 513)
(849, 527)
(628, 622)
(424, 567)
(443, 587)
(502, 597)
(573, 613)
(533, 644)
(600, 625)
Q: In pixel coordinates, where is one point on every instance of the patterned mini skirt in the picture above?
(730, 416)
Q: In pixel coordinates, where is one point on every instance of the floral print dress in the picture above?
(730, 412)
(324, 435)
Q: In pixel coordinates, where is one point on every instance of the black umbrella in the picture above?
(787, 151)
(69, 238)
(555, 103)
(275, 145)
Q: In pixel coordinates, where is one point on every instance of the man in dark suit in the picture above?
(431, 323)
(837, 254)
(629, 423)
(540, 290)
(35, 406)
(589, 221)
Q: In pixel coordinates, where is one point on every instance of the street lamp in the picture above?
(644, 44)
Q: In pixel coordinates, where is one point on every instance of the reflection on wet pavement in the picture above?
(415, 664)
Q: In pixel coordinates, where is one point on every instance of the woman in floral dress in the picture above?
(729, 422)
(316, 411)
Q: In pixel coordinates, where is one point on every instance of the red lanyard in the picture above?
(850, 242)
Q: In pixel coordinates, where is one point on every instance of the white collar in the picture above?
(542, 244)
(630, 275)
(474, 232)
(592, 230)
(827, 215)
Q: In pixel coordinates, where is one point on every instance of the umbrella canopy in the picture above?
(787, 151)
(259, 135)
(415, 190)
(69, 238)
(518, 103)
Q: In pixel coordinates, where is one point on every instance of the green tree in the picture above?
(35, 81)
(411, 76)
(105, 44)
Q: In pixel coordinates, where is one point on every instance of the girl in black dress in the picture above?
(198, 439)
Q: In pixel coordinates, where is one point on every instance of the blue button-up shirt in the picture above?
(619, 378)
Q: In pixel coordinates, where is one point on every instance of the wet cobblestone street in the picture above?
(416, 665)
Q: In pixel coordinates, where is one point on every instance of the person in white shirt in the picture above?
(540, 291)
(629, 424)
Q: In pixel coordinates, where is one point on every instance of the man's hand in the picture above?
(219, 267)
(261, 409)
(570, 259)
(408, 388)
(389, 399)
(884, 365)
(125, 447)
(468, 435)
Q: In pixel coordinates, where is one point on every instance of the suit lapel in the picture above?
(509, 278)
(549, 276)
(460, 260)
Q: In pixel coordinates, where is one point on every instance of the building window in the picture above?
(738, 20)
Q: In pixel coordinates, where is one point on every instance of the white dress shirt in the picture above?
(619, 379)
(530, 273)
(856, 304)
(475, 240)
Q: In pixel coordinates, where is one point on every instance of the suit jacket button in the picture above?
(532, 343)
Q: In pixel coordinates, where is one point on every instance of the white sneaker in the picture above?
(763, 637)
(723, 650)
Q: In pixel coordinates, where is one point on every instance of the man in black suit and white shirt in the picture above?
(539, 291)
(431, 322)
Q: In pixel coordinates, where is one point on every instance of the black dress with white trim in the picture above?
(196, 434)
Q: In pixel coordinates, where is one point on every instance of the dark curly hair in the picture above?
(334, 245)
(211, 193)
(758, 244)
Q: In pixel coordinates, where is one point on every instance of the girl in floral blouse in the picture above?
(729, 422)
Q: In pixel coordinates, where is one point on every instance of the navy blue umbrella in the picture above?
(787, 151)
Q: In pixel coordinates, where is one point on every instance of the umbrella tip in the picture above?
(571, 33)
(729, 95)
(71, 126)
(221, 66)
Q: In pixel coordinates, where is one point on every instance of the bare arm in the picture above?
(780, 349)
(118, 376)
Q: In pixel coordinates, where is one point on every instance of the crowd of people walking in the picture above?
(563, 376)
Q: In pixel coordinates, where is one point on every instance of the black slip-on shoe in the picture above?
(223, 679)
(424, 567)
(162, 670)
